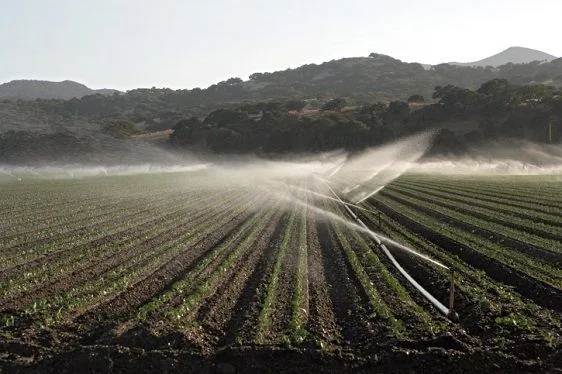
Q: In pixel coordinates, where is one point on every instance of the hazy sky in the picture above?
(126, 44)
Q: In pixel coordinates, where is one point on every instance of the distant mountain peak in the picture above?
(30, 89)
(515, 55)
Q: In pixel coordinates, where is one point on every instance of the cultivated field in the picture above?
(179, 271)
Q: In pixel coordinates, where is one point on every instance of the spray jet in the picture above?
(362, 176)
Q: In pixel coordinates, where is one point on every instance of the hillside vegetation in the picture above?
(498, 110)
(37, 89)
(349, 103)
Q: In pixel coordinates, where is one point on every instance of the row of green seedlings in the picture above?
(124, 276)
(24, 204)
(379, 310)
(501, 204)
(415, 316)
(100, 227)
(71, 255)
(525, 183)
(68, 258)
(490, 296)
(300, 301)
(65, 243)
(19, 209)
(95, 290)
(80, 215)
(485, 224)
(40, 196)
(514, 218)
(23, 208)
(491, 249)
(490, 225)
(41, 227)
(520, 186)
(181, 302)
(147, 229)
(264, 318)
(92, 285)
(508, 192)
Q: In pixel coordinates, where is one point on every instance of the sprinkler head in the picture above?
(453, 316)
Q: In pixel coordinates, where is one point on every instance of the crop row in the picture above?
(531, 198)
(522, 273)
(486, 198)
(92, 220)
(182, 299)
(391, 302)
(80, 206)
(497, 210)
(122, 276)
(122, 243)
(95, 234)
(527, 226)
(475, 290)
(538, 247)
(493, 248)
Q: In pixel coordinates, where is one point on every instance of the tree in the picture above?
(120, 129)
(223, 140)
(223, 117)
(494, 87)
(296, 105)
(416, 99)
(374, 111)
(336, 104)
(186, 131)
(350, 134)
(456, 98)
(233, 81)
(397, 111)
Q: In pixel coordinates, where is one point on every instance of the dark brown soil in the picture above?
(540, 292)
(107, 337)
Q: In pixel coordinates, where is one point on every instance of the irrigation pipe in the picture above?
(327, 197)
(449, 312)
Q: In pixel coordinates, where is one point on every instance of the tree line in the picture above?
(496, 110)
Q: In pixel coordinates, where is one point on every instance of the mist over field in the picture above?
(287, 187)
(358, 174)
(499, 158)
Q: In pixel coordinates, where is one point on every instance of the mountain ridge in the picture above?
(376, 77)
(30, 89)
(515, 55)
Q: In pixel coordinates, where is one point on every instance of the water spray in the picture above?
(370, 194)
(380, 239)
(11, 175)
(315, 193)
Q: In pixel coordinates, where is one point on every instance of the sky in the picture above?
(126, 44)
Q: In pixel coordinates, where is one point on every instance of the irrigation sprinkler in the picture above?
(452, 314)
(309, 191)
(449, 312)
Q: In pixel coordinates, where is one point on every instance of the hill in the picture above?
(514, 55)
(360, 80)
(37, 89)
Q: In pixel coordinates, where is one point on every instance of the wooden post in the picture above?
(379, 220)
(452, 291)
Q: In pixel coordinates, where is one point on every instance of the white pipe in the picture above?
(442, 308)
